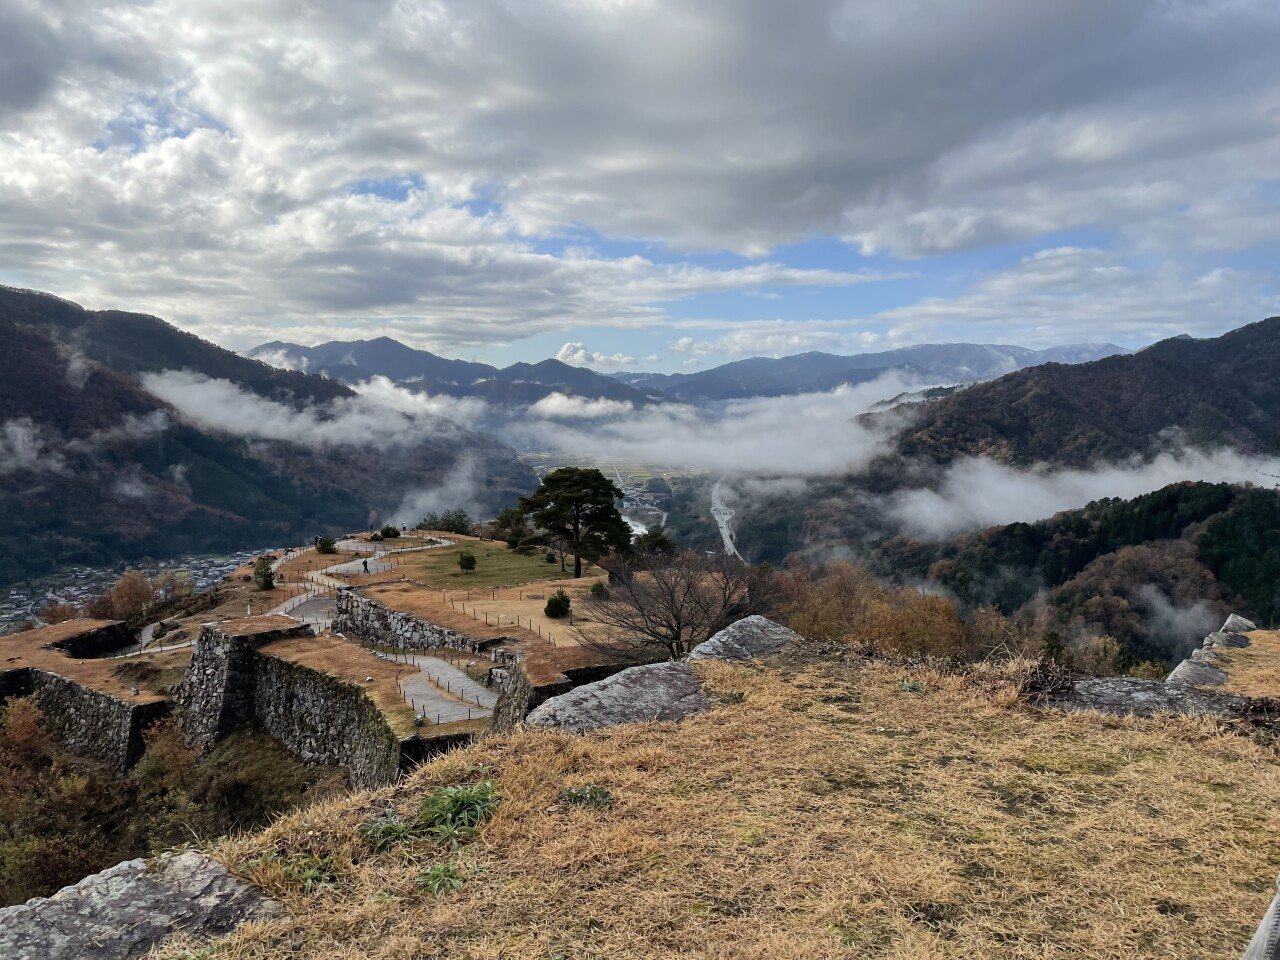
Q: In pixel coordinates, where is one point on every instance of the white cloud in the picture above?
(25, 446)
(808, 435)
(576, 354)
(227, 407)
(976, 493)
(557, 406)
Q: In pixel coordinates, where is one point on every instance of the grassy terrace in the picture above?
(1253, 671)
(822, 809)
(149, 673)
(496, 566)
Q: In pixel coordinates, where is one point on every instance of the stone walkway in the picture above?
(426, 690)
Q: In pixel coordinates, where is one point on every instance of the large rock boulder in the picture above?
(747, 639)
(123, 911)
(1145, 698)
(658, 691)
(655, 691)
(1238, 624)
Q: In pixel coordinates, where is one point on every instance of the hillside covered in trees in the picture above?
(1207, 393)
(97, 467)
(1155, 572)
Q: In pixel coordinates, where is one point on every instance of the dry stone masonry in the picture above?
(319, 718)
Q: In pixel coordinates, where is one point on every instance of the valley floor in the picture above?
(827, 807)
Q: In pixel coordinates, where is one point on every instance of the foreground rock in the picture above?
(1189, 688)
(125, 910)
(658, 691)
(747, 639)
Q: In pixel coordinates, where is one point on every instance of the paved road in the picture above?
(723, 515)
(357, 566)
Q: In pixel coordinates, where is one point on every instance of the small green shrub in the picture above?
(550, 557)
(441, 878)
(326, 545)
(466, 561)
(389, 830)
(731, 696)
(910, 686)
(588, 796)
(390, 532)
(453, 813)
(374, 538)
(599, 591)
(558, 605)
(310, 872)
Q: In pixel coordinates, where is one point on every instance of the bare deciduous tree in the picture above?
(664, 603)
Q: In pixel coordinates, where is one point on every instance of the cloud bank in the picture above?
(976, 493)
(225, 406)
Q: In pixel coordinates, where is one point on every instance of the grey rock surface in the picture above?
(1197, 673)
(656, 691)
(123, 911)
(1238, 624)
(1145, 698)
(747, 639)
(1265, 944)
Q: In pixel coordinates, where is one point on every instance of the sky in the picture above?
(641, 184)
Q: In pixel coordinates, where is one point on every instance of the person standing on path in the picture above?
(365, 564)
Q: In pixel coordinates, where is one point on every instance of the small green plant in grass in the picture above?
(310, 872)
(558, 605)
(587, 796)
(389, 532)
(550, 557)
(731, 696)
(451, 812)
(388, 830)
(466, 562)
(374, 538)
(910, 686)
(599, 591)
(441, 878)
(326, 545)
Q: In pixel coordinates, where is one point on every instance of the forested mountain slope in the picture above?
(94, 467)
(1218, 392)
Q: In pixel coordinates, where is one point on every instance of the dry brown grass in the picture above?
(1253, 671)
(830, 813)
(114, 677)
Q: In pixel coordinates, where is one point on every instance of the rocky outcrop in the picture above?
(748, 639)
(123, 911)
(1265, 944)
(655, 691)
(658, 691)
(1145, 698)
(1189, 688)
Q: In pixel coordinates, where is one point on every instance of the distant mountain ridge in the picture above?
(1214, 392)
(816, 371)
(521, 384)
(95, 468)
(356, 361)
